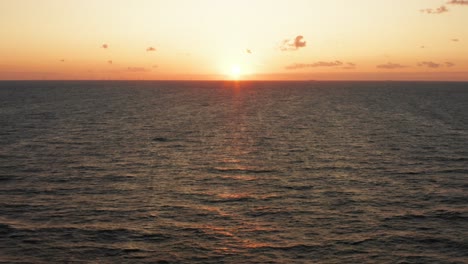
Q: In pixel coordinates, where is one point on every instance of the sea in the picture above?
(233, 172)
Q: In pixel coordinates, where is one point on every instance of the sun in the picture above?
(236, 72)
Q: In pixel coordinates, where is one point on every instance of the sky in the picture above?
(242, 39)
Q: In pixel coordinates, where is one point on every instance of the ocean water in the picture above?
(233, 172)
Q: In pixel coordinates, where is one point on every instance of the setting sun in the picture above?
(235, 72)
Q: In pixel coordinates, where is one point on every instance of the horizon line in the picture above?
(219, 80)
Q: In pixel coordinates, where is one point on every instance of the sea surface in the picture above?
(233, 172)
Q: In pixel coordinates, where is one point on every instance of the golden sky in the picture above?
(242, 39)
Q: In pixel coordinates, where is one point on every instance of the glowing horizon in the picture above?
(238, 40)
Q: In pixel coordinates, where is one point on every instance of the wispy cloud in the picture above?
(137, 69)
(390, 66)
(435, 65)
(294, 44)
(349, 66)
(458, 2)
(429, 64)
(296, 66)
(150, 49)
(439, 10)
(443, 9)
(105, 46)
(449, 64)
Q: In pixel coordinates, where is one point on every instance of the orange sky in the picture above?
(242, 39)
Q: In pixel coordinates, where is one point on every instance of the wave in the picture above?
(432, 215)
(302, 248)
(242, 170)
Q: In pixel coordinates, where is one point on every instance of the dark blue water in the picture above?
(220, 172)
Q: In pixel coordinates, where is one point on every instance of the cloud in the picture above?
(105, 46)
(455, 40)
(136, 69)
(349, 66)
(458, 2)
(150, 49)
(429, 64)
(439, 10)
(296, 66)
(299, 42)
(449, 64)
(422, 47)
(434, 65)
(391, 66)
(295, 44)
(62, 60)
(248, 51)
(109, 61)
